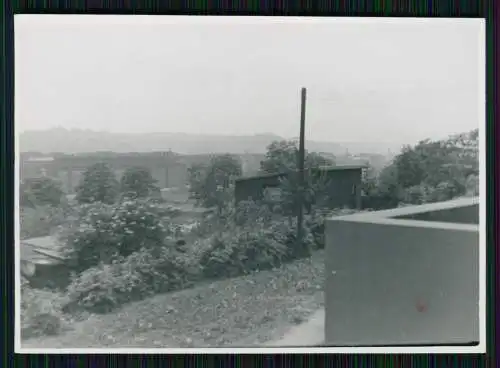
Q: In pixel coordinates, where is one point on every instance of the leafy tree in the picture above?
(433, 162)
(314, 191)
(196, 178)
(315, 160)
(43, 191)
(383, 191)
(212, 184)
(99, 184)
(282, 156)
(137, 182)
(427, 172)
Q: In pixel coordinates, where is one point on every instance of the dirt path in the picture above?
(245, 311)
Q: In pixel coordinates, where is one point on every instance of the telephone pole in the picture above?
(300, 166)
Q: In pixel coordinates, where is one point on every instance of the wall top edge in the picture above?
(410, 223)
(388, 216)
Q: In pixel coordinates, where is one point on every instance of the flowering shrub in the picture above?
(101, 233)
(145, 272)
(100, 288)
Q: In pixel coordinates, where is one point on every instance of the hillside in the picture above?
(246, 311)
(78, 141)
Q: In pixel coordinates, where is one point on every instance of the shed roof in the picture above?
(40, 250)
(324, 168)
(39, 159)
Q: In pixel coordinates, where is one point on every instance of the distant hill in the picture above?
(79, 141)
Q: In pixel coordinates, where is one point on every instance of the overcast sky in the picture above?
(368, 80)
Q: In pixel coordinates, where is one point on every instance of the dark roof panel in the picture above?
(325, 168)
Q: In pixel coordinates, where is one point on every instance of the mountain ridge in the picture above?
(84, 140)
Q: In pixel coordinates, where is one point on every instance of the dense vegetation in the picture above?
(122, 244)
(42, 191)
(430, 171)
(137, 182)
(211, 184)
(99, 184)
(43, 206)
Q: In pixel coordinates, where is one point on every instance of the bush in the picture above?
(143, 273)
(285, 230)
(315, 223)
(447, 190)
(422, 193)
(101, 232)
(100, 288)
(41, 311)
(240, 251)
(247, 212)
(257, 246)
(418, 194)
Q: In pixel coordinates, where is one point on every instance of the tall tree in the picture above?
(137, 182)
(211, 184)
(281, 156)
(99, 184)
(430, 171)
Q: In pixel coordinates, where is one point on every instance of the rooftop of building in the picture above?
(321, 168)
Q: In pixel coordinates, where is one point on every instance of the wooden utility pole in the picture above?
(300, 166)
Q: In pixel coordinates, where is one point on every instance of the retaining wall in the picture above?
(403, 277)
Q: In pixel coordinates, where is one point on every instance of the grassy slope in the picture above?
(244, 311)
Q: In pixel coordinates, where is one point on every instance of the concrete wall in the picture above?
(253, 188)
(460, 215)
(401, 282)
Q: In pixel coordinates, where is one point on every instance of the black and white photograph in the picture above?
(249, 184)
